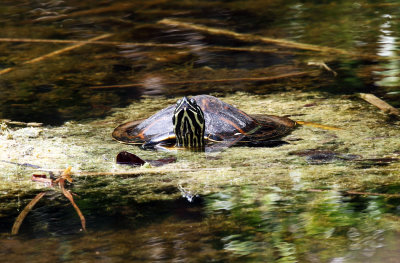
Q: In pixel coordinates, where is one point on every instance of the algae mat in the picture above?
(353, 158)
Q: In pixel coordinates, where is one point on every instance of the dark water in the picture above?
(245, 224)
(57, 88)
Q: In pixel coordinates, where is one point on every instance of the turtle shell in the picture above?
(223, 123)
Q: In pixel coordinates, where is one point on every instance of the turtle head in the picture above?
(188, 121)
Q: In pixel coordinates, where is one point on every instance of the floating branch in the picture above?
(256, 49)
(206, 81)
(21, 123)
(383, 105)
(268, 40)
(57, 52)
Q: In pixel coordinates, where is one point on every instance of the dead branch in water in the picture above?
(57, 52)
(206, 81)
(256, 49)
(60, 181)
(24, 213)
(69, 196)
(268, 40)
(383, 105)
(21, 123)
(73, 41)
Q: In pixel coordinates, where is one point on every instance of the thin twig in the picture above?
(132, 172)
(24, 213)
(68, 195)
(138, 172)
(57, 52)
(74, 41)
(323, 65)
(317, 125)
(257, 49)
(268, 40)
(206, 81)
(383, 105)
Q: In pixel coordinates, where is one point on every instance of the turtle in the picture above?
(201, 123)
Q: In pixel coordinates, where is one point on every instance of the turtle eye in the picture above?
(178, 102)
(192, 101)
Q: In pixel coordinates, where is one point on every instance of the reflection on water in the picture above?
(296, 228)
(388, 48)
(239, 224)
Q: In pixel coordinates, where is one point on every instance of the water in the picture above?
(239, 224)
(57, 89)
(263, 207)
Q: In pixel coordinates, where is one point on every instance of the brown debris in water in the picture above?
(60, 181)
(24, 213)
(134, 160)
(42, 178)
(129, 159)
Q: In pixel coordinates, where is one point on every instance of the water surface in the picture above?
(325, 196)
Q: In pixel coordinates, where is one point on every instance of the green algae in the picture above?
(88, 147)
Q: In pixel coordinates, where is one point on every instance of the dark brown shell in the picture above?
(223, 122)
